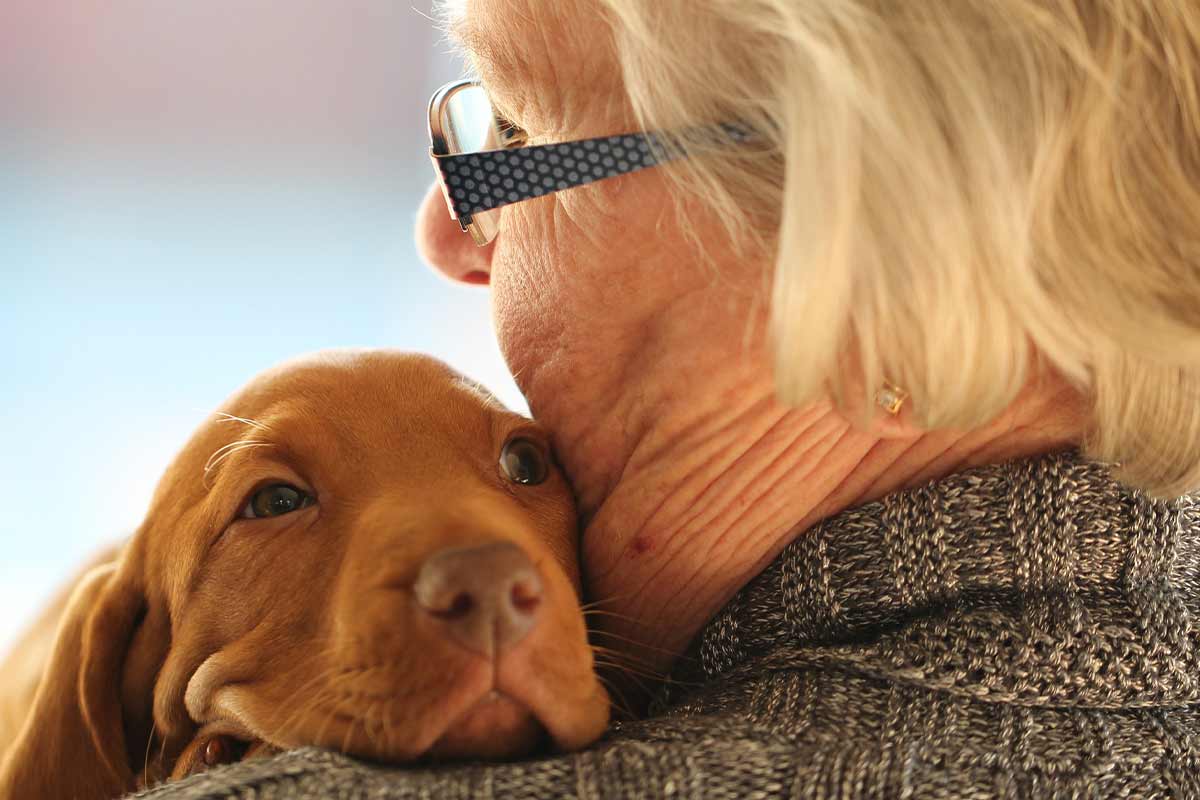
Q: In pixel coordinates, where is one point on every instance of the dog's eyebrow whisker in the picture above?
(224, 452)
(484, 393)
(253, 423)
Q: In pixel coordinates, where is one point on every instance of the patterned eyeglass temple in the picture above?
(482, 181)
(479, 181)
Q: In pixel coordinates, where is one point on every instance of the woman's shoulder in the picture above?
(788, 733)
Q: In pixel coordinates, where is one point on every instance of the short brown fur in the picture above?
(299, 629)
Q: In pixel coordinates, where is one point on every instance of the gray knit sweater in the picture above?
(1023, 630)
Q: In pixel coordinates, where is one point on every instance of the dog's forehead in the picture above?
(370, 393)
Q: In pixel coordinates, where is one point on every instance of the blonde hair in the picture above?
(957, 193)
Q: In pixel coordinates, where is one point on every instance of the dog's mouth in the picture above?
(513, 712)
(499, 711)
(496, 726)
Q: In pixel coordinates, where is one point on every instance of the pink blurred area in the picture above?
(190, 192)
(170, 75)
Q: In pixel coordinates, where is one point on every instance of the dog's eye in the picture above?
(274, 500)
(522, 461)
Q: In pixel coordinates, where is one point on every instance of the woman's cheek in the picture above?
(527, 292)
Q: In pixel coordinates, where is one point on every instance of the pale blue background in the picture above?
(190, 192)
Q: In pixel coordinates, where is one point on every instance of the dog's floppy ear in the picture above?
(76, 740)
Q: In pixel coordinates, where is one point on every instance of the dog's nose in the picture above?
(487, 597)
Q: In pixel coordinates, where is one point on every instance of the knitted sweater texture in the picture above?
(1024, 630)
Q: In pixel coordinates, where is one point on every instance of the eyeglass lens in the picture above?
(470, 125)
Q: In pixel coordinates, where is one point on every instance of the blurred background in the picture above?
(190, 192)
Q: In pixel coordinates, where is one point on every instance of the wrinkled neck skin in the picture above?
(692, 476)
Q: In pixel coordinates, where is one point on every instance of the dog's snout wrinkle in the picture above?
(486, 598)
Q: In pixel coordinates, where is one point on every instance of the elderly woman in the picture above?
(833, 357)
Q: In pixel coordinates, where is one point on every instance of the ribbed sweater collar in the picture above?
(1035, 582)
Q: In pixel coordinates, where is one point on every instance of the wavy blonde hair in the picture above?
(957, 193)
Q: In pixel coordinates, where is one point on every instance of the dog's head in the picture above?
(361, 551)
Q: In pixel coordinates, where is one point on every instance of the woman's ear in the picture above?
(76, 740)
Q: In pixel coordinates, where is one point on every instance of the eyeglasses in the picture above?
(483, 164)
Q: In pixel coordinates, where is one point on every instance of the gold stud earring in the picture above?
(890, 397)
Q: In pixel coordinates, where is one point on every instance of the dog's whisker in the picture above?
(630, 670)
(331, 700)
(635, 643)
(368, 724)
(337, 694)
(615, 694)
(638, 680)
(623, 657)
(613, 658)
(658, 678)
(224, 452)
(253, 423)
(291, 701)
(604, 660)
(349, 734)
(615, 686)
(385, 724)
(602, 650)
(319, 739)
(640, 644)
(605, 600)
(208, 465)
(331, 714)
(356, 721)
(596, 612)
(365, 719)
(149, 747)
(334, 679)
(375, 715)
(301, 709)
(162, 753)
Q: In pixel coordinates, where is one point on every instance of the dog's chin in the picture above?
(497, 727)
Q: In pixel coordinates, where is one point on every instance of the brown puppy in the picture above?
(360, 551)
